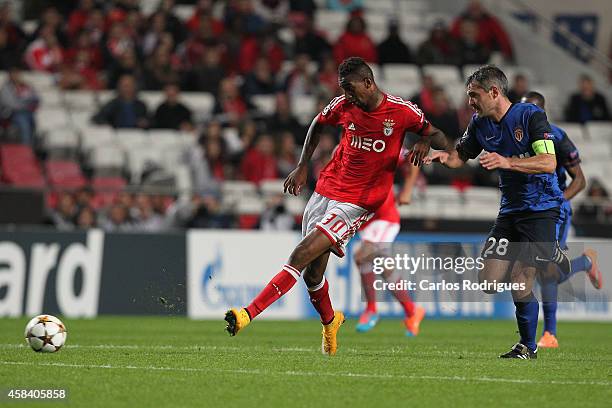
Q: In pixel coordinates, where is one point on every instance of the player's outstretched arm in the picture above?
(431, 136)
(544, 160)
(297, 178)
(450, 159)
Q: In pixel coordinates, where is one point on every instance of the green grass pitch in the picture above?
(175, 362)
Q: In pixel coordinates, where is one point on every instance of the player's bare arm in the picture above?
(431, 136)
(297, 178)
(577, 184)
(540, 163)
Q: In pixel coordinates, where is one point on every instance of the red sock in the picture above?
(319, 297)
(367, 283)
(404, 299)
(277, 287)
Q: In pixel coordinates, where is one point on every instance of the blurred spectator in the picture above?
(84, 197)
(172, 114)
(259, 162)
(276, 217)
(241, 14)
(260, 81)
(345, 5)
(201, 211)
(519, 87)
(266, 46)
(284, 120)
(247, 134)
(127, 64)
(229, 104)
(18, 102)
(81, 67)
(393, 50)
(204, 12)
(79, 17)
(287, 154)
(307, 40)
(587, 104)
(15, 36)
(598, 204)
(51, 20)
(215, 155)
(443, 116)
(86, 218)
(85, 42)
(156, 27)
(491, 34)
(439, 48)
(63, 217)
(173, 23)
(96, 25)
(300, 81)
(45, 52)
(117, 43)
(202, 161)
(9, 54)
(117, 219)
(159, 70)
(207, 73)
(307, 7)
(425, 97)
(272, 11)
(355, 42)
(125, 110)
(328, 78)
(144, 216)
(135, 24)
(470, 50)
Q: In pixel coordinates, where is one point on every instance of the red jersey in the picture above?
(362, 168)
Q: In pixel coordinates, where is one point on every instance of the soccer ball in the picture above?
(45, 333)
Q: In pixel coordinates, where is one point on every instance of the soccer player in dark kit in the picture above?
(517, 141)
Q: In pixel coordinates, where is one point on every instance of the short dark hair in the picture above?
(488, 76)
(537, 97)
(355, 67)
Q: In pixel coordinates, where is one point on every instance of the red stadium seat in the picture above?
(64, 174)
(20, 167)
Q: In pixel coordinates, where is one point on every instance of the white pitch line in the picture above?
(315, 350)
(310, 373)
(169, 347)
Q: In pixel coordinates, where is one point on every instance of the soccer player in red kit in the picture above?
(377, 235)
(350, 188)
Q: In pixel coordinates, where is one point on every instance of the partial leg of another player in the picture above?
(364, 257)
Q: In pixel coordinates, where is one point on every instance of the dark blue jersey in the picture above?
(567, 154)
(523, 128)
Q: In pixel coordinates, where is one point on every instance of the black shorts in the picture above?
(530, 237)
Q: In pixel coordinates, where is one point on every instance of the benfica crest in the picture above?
(388, 127)
(518, 134)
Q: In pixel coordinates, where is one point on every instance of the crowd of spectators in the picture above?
(232, 50)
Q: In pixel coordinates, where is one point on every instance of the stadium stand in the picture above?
(75, 152)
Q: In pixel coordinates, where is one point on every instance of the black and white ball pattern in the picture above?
(45, 333)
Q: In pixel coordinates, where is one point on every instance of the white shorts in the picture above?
(380, 231)
(337, 220)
